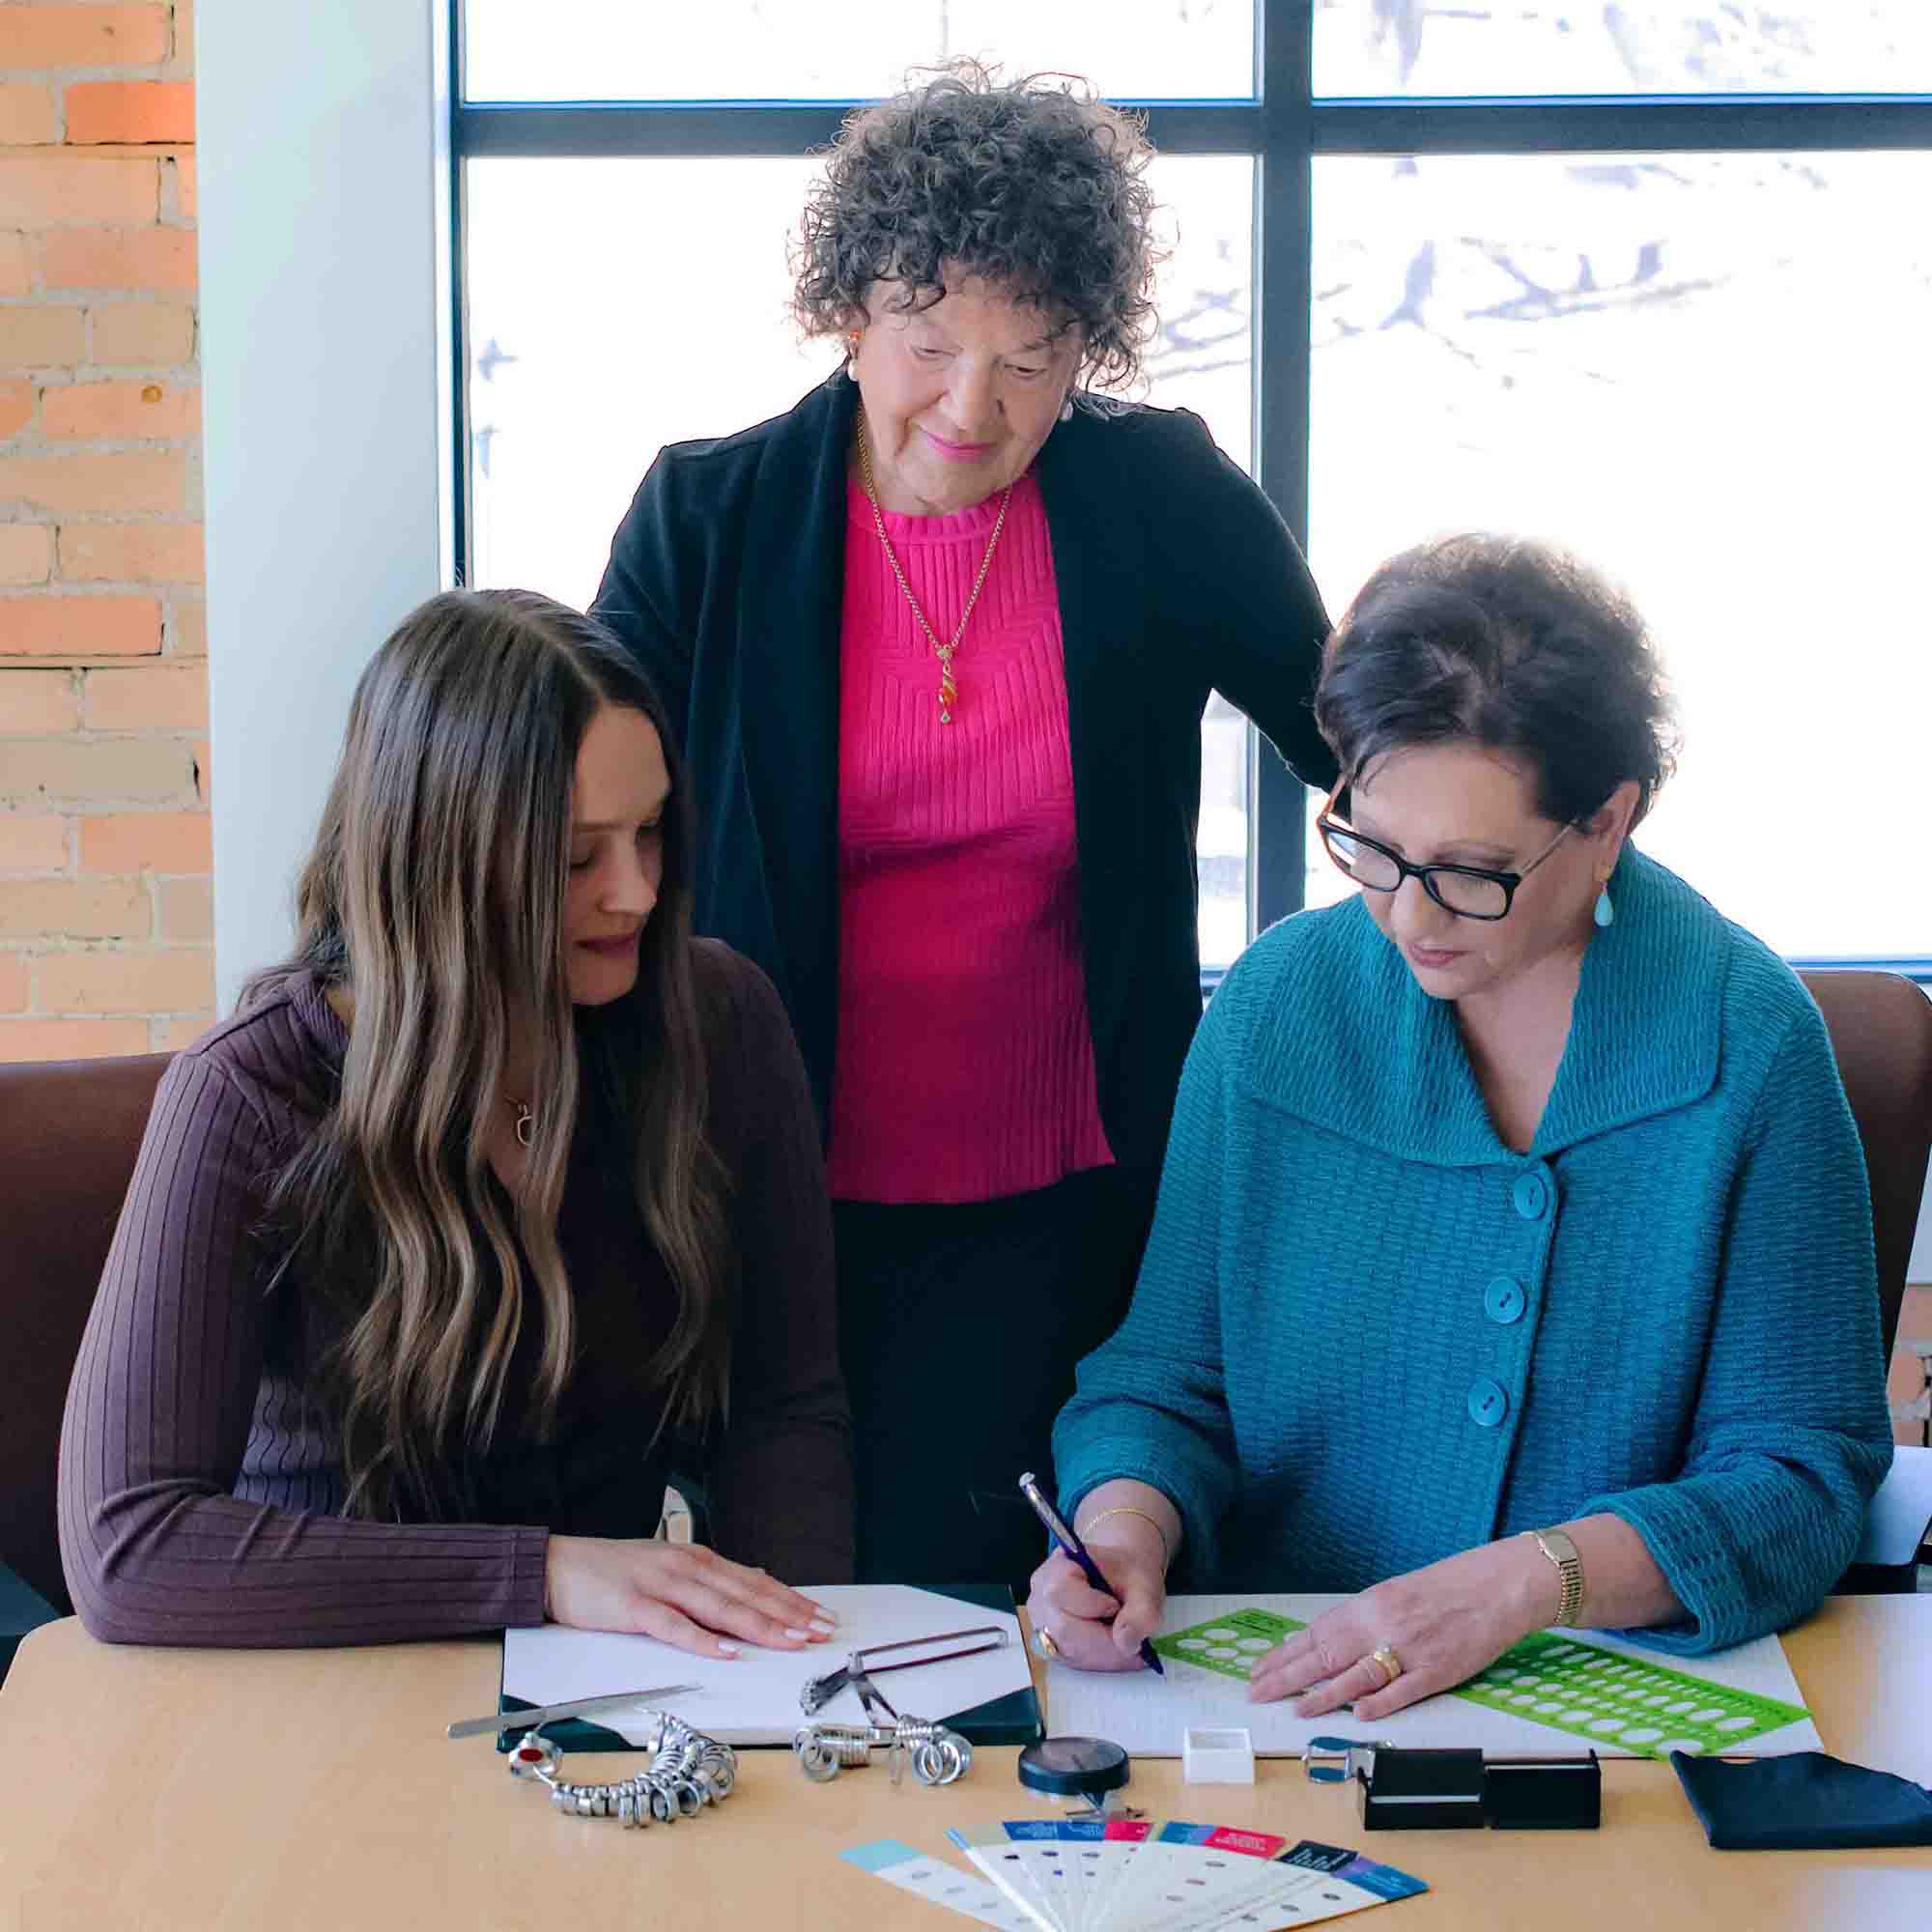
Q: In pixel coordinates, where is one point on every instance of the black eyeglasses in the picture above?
(1470, 892)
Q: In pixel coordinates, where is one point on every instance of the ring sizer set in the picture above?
(687, 1773)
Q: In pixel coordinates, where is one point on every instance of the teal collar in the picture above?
(1371, 1057)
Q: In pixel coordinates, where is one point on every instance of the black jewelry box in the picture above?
(1544, 1793)
(1420, 1790)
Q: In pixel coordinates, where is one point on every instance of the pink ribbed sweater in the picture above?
(965, 1062)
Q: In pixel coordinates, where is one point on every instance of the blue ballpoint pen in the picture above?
(1068, 1537)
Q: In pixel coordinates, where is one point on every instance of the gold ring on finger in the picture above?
(1044, 1643)
(1383, 1657)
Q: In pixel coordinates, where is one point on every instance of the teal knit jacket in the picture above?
(1367, 1335)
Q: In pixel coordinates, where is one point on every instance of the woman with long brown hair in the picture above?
(497, 1202)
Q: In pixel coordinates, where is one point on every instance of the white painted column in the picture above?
(322, 140)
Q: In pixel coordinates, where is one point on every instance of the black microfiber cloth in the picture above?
(1808, 1802)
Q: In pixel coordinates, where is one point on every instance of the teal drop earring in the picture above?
(1606, 913)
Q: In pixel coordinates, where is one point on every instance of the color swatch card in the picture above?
(926, 1877)
(1605, 1690)
(1122, 1875)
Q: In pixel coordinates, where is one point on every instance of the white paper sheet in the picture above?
(1901, 1513)
(753, 1698)
(1146, 1715)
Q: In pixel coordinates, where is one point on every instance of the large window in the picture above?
(1649, 279)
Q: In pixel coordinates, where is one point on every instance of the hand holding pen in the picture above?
(1077, 1614)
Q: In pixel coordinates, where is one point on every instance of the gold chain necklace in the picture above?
(949, 688)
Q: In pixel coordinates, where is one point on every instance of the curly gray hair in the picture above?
(1037, 186)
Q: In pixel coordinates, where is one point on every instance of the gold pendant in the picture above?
(948, 695)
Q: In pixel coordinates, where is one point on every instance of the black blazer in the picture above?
(1175, 577)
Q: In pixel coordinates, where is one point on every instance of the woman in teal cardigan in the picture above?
(1513, 1261)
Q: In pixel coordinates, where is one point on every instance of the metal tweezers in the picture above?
(550, 1714)
(856, 1672)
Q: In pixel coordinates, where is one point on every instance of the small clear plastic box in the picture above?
(1216, 1756)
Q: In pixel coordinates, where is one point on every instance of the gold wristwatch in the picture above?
(1562, 1552)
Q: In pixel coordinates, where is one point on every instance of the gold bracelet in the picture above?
(1128, 1508)
(1562, 1554)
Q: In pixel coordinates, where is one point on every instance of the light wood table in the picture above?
(280, 1791)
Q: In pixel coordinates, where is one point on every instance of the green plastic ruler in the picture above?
(1227, 1644)
(1603, 1696)
(1635, 1703)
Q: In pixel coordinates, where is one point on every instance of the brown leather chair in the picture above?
(69, 1131)
(1881, 1028)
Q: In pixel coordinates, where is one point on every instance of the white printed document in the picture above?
(753, 1698)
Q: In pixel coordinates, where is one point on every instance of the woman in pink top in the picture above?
(937, 643)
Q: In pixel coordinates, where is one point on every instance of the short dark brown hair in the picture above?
(1506, 643)
(1037, 186)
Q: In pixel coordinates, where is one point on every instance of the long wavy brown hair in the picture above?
(433, 898)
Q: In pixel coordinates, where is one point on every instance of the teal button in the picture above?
(1487, 1404)
(1531, 1195)
(1503, 1300)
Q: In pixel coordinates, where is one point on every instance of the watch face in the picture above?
(1076, 1765)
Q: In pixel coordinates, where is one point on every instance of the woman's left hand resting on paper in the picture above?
(682, 1594)
(1451, 1619)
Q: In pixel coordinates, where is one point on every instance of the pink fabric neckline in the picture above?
(948, 527)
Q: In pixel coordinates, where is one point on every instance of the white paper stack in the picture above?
(754, 1697)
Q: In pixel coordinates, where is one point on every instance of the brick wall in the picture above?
(105, 913)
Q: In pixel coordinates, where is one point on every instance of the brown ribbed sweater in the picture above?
(199, 1491)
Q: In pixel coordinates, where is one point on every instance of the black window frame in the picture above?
(1284, 128)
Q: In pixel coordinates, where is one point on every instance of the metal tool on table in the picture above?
(937, 1754)
(687, 1771)
(551, 1714)
(820, 1690)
